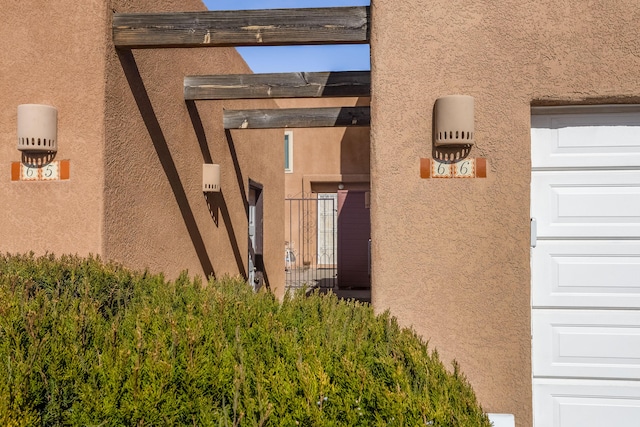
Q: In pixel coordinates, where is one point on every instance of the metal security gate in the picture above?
(311, 230)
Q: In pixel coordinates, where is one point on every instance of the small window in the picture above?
(288, 151)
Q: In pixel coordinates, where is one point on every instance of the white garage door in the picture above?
(585, 266)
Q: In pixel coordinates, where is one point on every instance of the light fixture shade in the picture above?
(454, 120)
(37, 128)
(210, 178)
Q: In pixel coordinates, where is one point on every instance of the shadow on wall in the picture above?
(236, 167)
(221, 203)
(213, 199)
(244, 194)
(216, 202)
(132, 74)
(355, 147)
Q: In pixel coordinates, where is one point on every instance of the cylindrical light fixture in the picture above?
(37, 128)
(454, 120)
(210, 178)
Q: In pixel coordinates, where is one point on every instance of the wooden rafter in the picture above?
(271, 27)
(278, 85)
(297, 118)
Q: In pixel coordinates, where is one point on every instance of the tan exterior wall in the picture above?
(156, 214)
(451, 256)
(44, 62)
(136, 148)
(325, 157)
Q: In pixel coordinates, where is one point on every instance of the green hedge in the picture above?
(87, 343)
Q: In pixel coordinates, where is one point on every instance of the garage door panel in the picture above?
(585, 403)
(586, 140)
(586, 343)
(590, 274)
(584, 204)
(585, 267)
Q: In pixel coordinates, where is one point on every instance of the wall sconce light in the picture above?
(37, 128)
(454, 121)
(210, 178)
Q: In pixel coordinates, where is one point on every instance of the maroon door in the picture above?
(354, 231)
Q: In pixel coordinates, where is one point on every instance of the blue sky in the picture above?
(280, 59)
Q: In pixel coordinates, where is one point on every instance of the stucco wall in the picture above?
(451, 256)
(156, 214)
(52, 53)
(324, 157)
(135, 148)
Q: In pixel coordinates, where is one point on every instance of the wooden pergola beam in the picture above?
(297, 118)
(278, 85)
(270, 27)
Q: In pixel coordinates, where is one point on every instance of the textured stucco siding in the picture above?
(135, 150)
(325, 157)
(54, 55)
(451, 256)
(156, 214)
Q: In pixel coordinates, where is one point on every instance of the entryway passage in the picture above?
(311, 240)
(256, 236)
(585, 264)
(327, 241)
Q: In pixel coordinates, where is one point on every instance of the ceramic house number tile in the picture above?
(464, 168)
(441, 169)
(53, 171)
